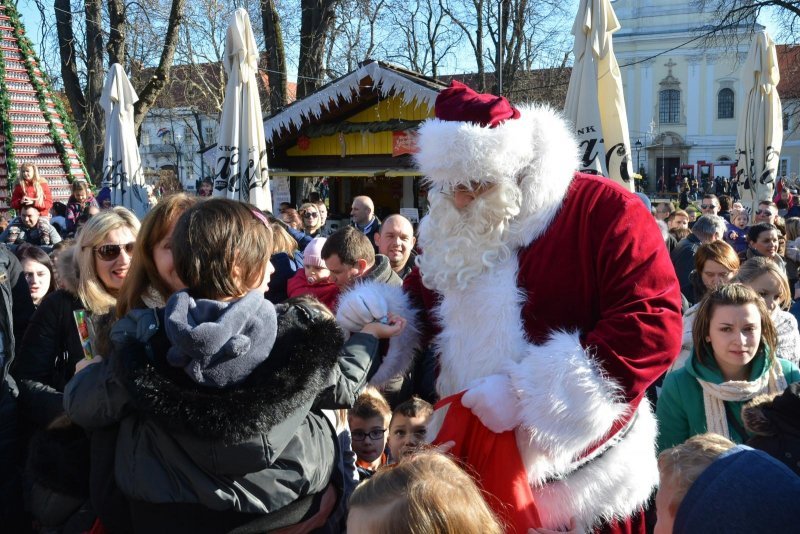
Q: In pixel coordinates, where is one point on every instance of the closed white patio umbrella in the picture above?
(122, 171)
(241, 170)
(760, 134)
(595, 101)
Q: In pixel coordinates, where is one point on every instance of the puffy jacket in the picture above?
(250, 449)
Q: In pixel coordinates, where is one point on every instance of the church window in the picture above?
(725, 104)
(669, 106)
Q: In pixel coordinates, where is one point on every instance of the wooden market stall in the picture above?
(354, 136)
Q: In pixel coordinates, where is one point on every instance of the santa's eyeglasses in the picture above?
(472, 188)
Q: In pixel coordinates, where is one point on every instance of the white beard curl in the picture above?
(459, 245)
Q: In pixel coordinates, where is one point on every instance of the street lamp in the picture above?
(178, 153)
(638, 146)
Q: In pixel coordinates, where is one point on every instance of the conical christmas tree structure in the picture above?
(34, 127)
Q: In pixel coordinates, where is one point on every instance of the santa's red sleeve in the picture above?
(580, 383)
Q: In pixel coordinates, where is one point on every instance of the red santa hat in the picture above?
(482, 138)
(459, 103)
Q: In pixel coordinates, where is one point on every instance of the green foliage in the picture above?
(5, 118)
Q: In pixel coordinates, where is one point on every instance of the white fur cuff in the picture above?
(566, 403)
(403, 347)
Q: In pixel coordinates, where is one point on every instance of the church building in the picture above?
(684, 104)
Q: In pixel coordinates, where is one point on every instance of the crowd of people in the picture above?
(218, 368)
(90, 403)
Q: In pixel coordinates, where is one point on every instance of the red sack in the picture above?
(494, 462)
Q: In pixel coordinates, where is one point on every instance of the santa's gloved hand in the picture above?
(493, 401)
(358, 308)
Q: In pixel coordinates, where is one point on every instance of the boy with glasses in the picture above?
(369, 423)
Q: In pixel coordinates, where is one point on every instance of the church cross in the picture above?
(669, 64)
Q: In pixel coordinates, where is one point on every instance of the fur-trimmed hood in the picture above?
(774, 415)
(298, 368)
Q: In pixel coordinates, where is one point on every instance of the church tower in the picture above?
(34, 126)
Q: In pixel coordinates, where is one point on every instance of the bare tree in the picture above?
(425, 36)
(316, 22)
(276, 56)
(469, 17)
(356, 35)
(511, 36)
(737, 18)
(83, 64)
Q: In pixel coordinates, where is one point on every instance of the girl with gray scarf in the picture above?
(220, 395)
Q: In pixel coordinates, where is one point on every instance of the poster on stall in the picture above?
(280, 191)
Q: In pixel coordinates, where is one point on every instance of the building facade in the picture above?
(684, 97)
(171, 142)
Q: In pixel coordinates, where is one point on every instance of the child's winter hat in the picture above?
(312, 255)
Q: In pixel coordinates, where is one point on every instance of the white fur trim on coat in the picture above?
(403, 347)
(610, 486)
(566, 402)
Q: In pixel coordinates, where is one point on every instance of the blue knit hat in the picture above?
(744, 490)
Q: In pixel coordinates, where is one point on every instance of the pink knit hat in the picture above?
(312, 255)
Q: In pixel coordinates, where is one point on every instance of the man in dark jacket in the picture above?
(350, 257)
(30, 228)
(708, 228)
(363, 214)
(396, 241)
(17, 304)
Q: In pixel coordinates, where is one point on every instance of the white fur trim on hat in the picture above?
(452, 153)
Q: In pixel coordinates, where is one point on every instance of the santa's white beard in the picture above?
(458, 245)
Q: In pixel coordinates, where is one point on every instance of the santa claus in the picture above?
(552, 305)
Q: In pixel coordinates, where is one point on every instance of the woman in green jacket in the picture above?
(732, 361)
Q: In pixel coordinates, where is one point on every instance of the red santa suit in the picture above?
(562, 327)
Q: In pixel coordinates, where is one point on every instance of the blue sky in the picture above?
(32, 21)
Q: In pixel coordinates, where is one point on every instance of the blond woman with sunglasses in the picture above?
(92, 270)
(312, 221)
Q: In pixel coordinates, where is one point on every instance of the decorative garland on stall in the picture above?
(5, 118)
(391, 125)
(30, 57)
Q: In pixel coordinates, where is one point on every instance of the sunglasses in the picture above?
(763, 212)
(310, 215)
(707, 206)
(112, 252)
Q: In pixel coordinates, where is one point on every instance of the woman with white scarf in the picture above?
(768, 279)
(732, 362)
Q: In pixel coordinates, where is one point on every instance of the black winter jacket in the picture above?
(50, 349)
(17, 308)
(250, 449)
